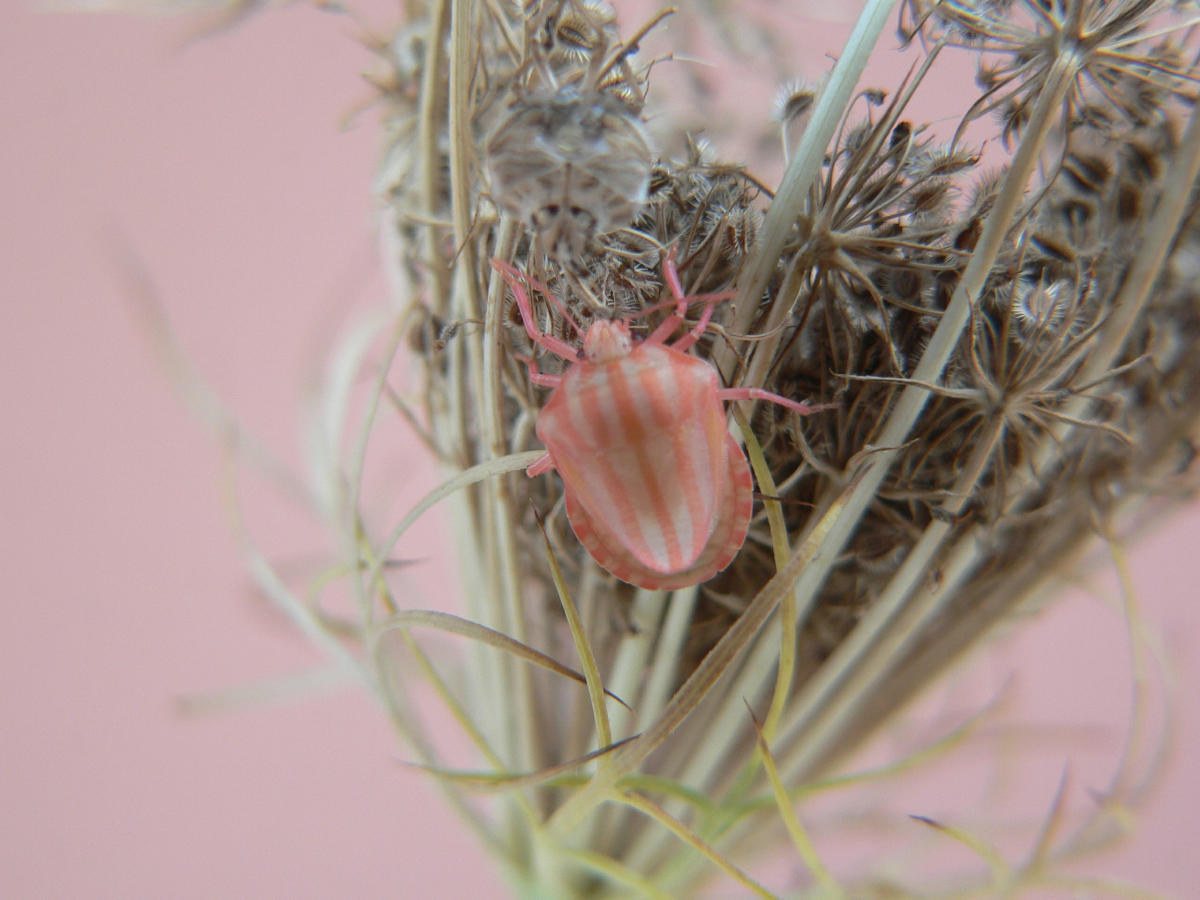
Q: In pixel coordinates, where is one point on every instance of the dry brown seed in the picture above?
(1128, 204)
(1038, 304)
(1141, 160)
(1053, 247)
(1087, 172)
(793, 101)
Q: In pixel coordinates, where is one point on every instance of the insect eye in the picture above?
(544, 216)
(583, 217)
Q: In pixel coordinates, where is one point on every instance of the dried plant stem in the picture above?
(502, 510)
(353, 533)
(885, 632)
(804, 168)
(517, 708)
(656, 690)
(629, 664)
(1146, 268)
(491, 701)
(912, 400)
(626, 759)
(669, 652)
(626, 681)
(432, 100)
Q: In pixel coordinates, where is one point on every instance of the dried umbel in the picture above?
(989, 342)
(1010, 359)
(993, 346)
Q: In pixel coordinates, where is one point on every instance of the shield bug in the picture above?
(570, 164)
(570, 157)
(656, 488)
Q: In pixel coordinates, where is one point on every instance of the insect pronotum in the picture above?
(656, 488)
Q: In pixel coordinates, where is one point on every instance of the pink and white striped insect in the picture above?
(656, 488)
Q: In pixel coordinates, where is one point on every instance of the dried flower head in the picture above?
(1012, 358)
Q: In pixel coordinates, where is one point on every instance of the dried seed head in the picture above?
(930, 196)
(1141, 160)
(570, 165)
(1054, 247)
(901, 136)
(1036, 304)
(577, 33)
(1088, 173)
(875, 96)
(1127, 204)
(904, 283)
(404, 54)
(737, 230)
(793, 101)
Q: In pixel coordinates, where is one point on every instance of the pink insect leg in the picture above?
(673, 321)
(536, 375)
(750, 393)
(540, 466)
(557, 346)
(697, 332)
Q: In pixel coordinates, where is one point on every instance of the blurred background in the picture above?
(235, 169)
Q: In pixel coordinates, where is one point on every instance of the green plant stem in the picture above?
(626, 759)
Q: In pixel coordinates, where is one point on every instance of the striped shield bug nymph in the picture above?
(656, 488)
(571, 164)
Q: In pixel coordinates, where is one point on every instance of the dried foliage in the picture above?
(1012, 355)
(1056, 385)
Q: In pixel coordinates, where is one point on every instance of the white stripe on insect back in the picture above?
(696, 456)
(648, 414)
(654, 545)
(691, 455)
(686, 456)
(593, 424)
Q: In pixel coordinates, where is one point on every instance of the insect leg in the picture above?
(675, 319)
(749, 393)
(697, 332)
(535, 374)
(663, 331)
(557, 346)
(540, 466)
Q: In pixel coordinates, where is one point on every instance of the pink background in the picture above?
(222, 164)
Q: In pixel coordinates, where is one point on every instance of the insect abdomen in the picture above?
(642, 447)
